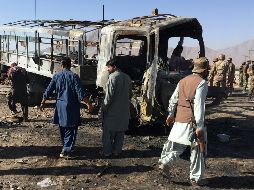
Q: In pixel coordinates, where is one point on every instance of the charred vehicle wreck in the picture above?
(141, 45)
(39, 45)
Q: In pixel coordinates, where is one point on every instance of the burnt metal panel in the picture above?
(68, 28)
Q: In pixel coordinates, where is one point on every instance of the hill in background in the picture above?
(237, 52)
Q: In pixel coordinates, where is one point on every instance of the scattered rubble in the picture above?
(46, 183)
(31, 154)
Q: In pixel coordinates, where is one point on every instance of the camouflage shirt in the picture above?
(220, 70)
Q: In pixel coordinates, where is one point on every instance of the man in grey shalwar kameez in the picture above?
(116, 110)
(193, 87)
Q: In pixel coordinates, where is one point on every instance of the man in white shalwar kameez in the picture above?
(192, 88)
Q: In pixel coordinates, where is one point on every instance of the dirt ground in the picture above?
(29, 153)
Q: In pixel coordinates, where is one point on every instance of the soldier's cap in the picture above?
(215, 59)
(200, 65)
(249, 61)
(229, 59)
(221, 57)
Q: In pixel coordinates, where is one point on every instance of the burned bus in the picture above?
(39, 45)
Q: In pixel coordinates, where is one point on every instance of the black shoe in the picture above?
(116, 154)
(103, 155)
(25, 119)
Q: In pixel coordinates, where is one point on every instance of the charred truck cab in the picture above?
(141, 45)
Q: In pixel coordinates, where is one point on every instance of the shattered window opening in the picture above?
(131, 53)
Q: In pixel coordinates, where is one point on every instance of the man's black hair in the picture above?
(66, 62)
(112, 62)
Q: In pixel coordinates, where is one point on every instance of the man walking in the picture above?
(245, 76)
(240, 81)
(116, 110)
(18, 92)
(220, 71)
(69, 93)
(251, 79)
(230, 75)
(189, 101)
(211, 75)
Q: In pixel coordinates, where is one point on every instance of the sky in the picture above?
(225, 22)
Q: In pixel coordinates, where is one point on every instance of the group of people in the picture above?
(115, 107)
(246, 76)
(186, 110)
(69, 93)
(222, 73)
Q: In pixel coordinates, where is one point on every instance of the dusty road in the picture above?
(29, 154)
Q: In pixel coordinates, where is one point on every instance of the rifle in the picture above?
(197, 135)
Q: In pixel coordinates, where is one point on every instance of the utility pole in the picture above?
(103, 13)
(35, 10)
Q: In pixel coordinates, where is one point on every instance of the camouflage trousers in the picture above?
(245, 82)
(240, 80)
(251, 90)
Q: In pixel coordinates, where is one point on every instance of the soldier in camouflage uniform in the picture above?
(251, 79)
(211, 75)
(220, 71)
(230, 75)
(241, 74)
(245, 75)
